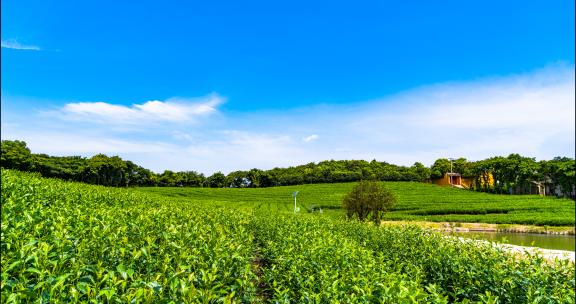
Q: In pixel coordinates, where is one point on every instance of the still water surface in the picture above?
(547, 241)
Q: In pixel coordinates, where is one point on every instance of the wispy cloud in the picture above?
(59, 143)
(15, 45)
(532, 114)
(174, 110)
(310, 138)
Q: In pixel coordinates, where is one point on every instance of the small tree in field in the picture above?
(368, 200)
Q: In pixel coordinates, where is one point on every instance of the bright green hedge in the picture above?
(66, 242)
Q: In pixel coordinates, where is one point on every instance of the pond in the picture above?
(547, 241)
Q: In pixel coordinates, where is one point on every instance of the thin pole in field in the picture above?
(451, 160)
(294, 194)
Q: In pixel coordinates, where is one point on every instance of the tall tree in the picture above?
(14, 154)
(439, 168)
(216, 180)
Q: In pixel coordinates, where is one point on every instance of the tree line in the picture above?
(511, 174)
(514, 174)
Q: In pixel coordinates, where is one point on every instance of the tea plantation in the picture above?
(416, 201)
(67, 242)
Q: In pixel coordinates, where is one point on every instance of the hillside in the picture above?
(416, 201)
(513, 174)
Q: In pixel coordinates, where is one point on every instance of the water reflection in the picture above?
(547, 241)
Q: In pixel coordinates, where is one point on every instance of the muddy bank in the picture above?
(485, 227)
(549, 254)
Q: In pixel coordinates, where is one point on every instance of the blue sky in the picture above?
(214, 85)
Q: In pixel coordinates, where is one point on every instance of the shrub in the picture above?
(368, 200)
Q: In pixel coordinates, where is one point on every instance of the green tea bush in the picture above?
(313, 260)
(415, 201)
(73, 243)
(67, 242)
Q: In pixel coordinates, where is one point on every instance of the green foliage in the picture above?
(308, 262)
(104, 170)
(181, 179)
(14, 154)
(368, 199)
(99, 169)
(415, 201)
(460, 165)
(514, 174)
(238, 179)
(440, 167)
(419, 172)
(562, 172)
(216, 180)
(66, 242)
(312, 260)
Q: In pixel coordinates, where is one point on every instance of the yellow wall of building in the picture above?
(444, 181)
(466, 182)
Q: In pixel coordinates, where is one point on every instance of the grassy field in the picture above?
(68, 242)
(416, 201)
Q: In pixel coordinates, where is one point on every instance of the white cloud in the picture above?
(531, 114)
(310, 138)
(227, 151)
(175, 110)
(236, 150)
(15, 45)
(60, 143)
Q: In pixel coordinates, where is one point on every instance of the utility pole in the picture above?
(294, 194)
(451, 183)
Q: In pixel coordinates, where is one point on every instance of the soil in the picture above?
(486, 227)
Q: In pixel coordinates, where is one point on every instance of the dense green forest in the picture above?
(513, 174)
